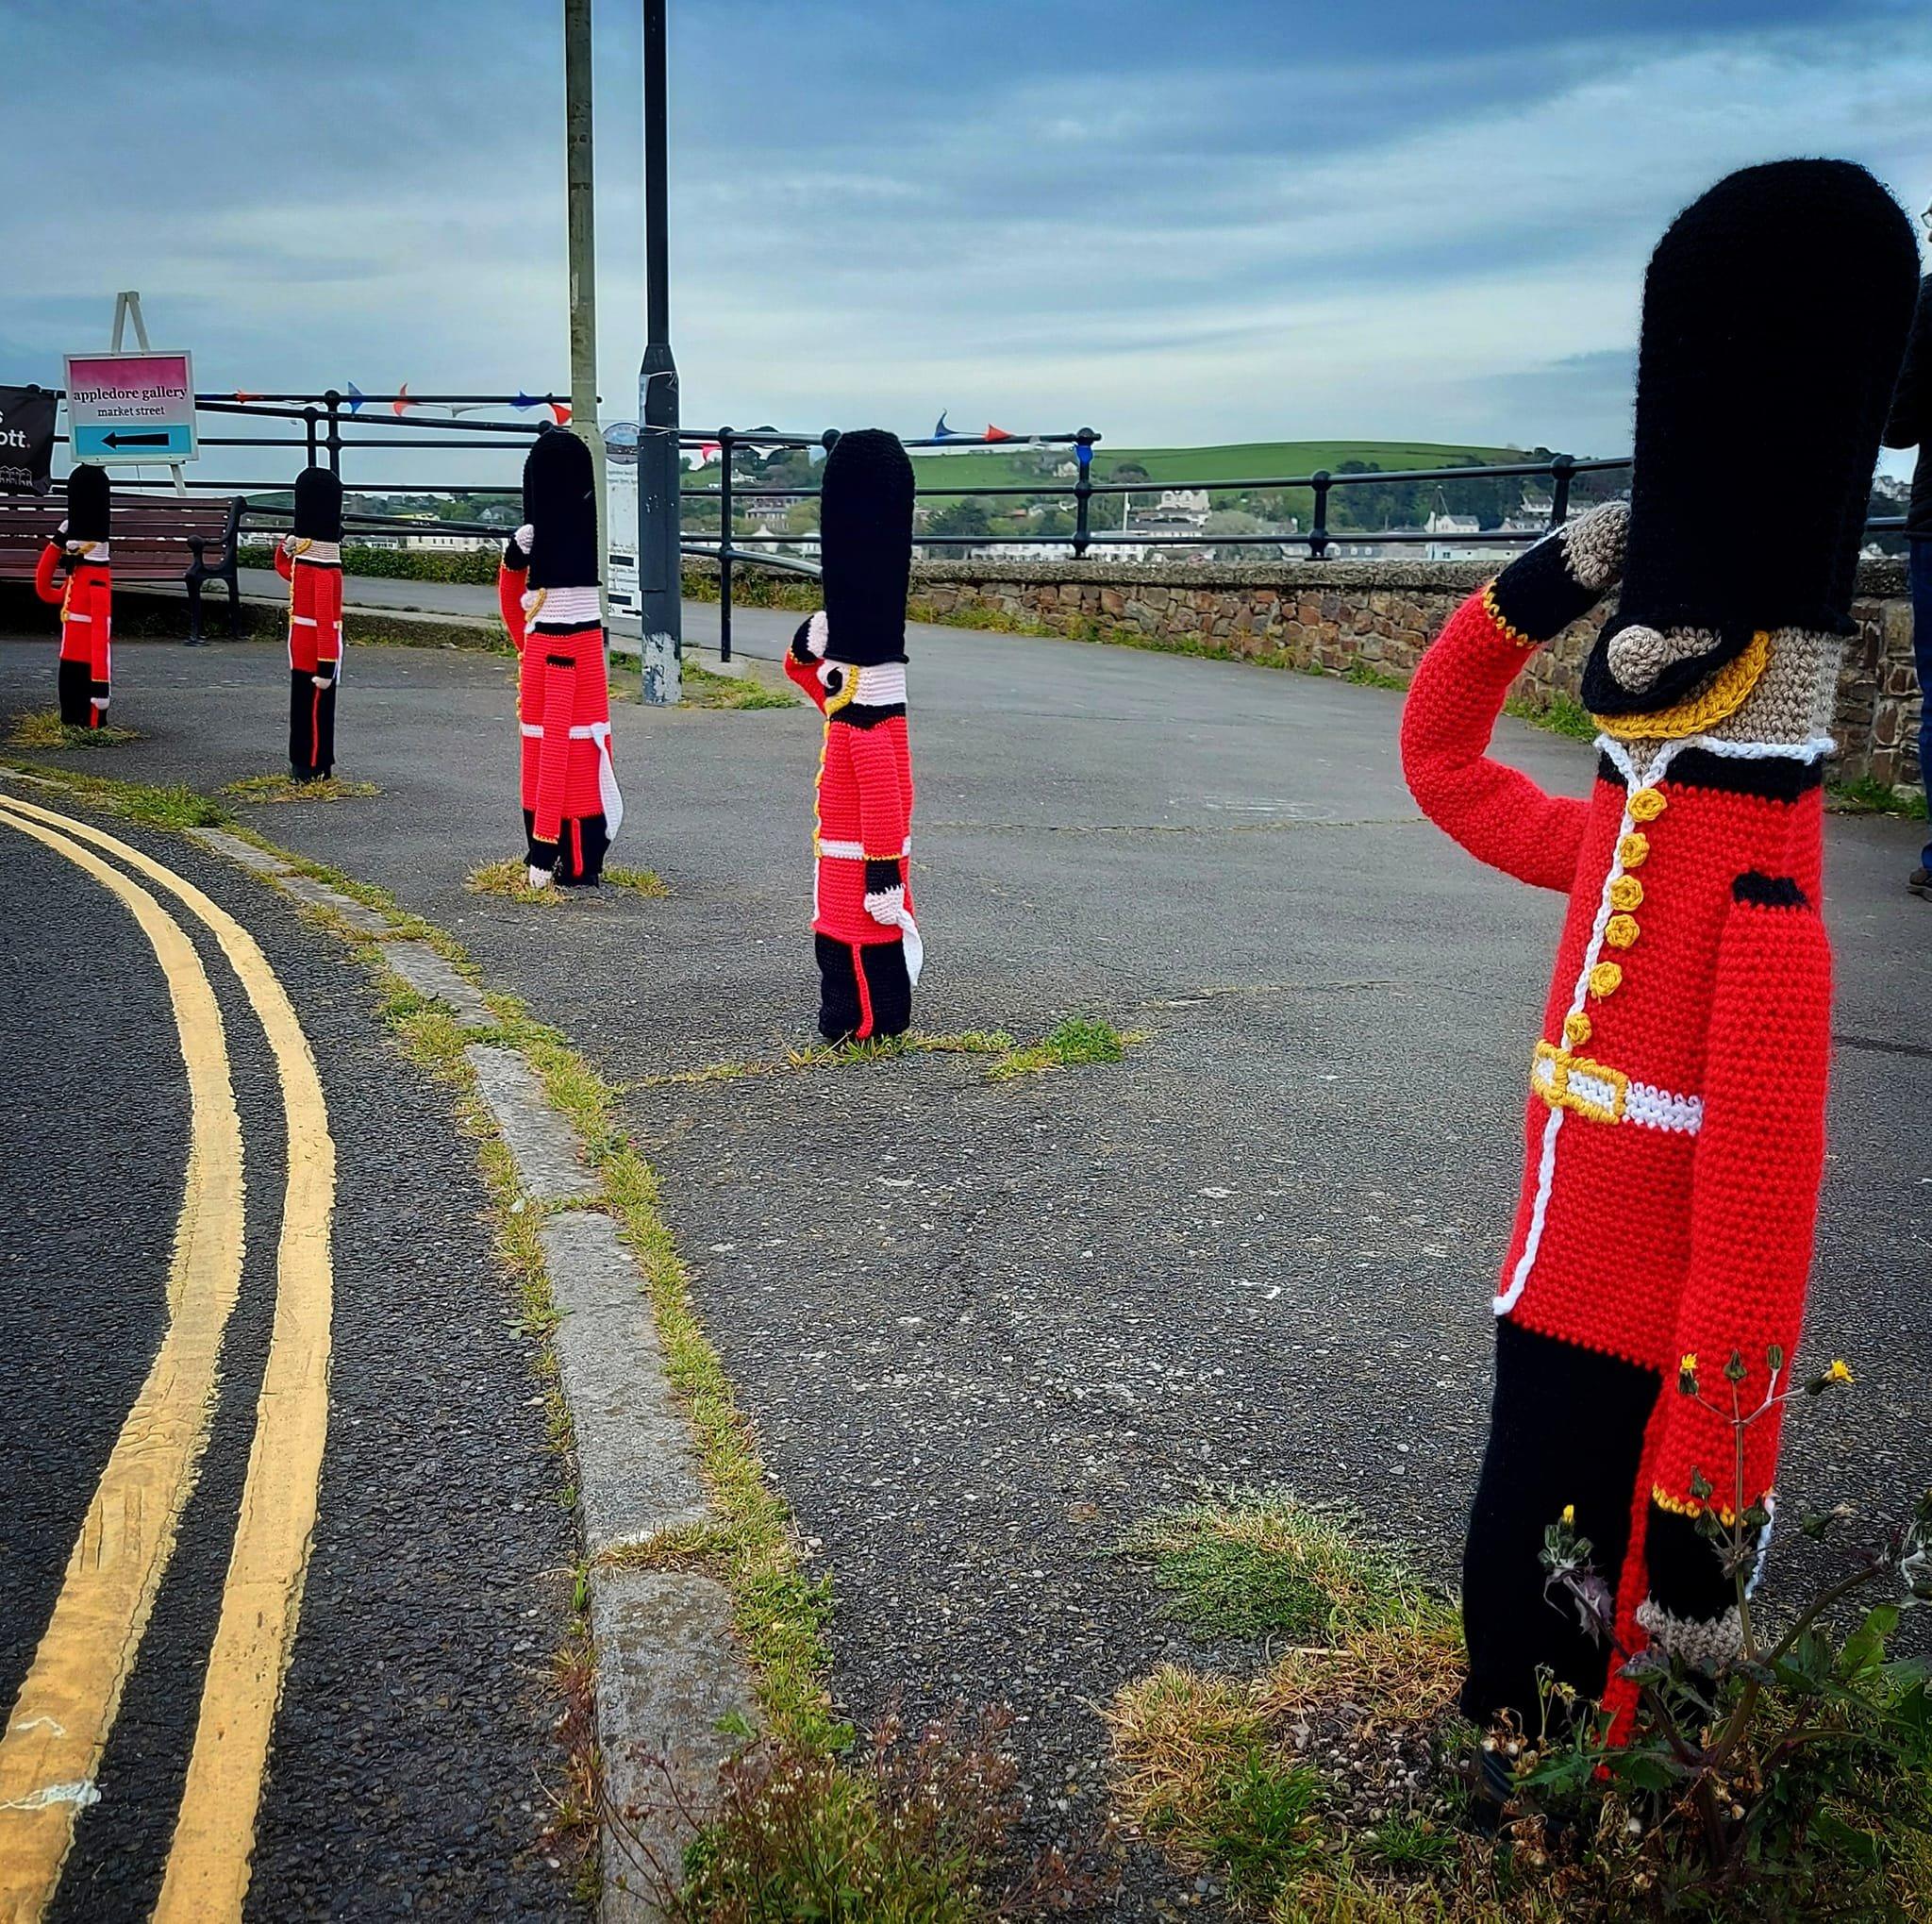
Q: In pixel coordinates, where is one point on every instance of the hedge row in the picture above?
(408, 565)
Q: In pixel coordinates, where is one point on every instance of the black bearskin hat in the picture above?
(865, 546)
(1774, 317)
(560, 505)
(318, 505)
(89, 504)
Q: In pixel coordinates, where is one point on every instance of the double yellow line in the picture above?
(51, 1749)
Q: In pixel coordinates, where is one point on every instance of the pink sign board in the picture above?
(131, 407)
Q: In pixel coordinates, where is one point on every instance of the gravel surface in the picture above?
(985, 1328)
(412, 1742)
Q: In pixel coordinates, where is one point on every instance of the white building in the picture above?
(1459, 538)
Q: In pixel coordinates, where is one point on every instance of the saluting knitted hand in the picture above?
(1564, 576)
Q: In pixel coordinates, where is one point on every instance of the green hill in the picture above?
(1173, 467)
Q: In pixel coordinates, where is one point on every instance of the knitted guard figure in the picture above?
(311, 560)
(1677, 1093)
(548, 589)
(850, 657)
(86, 598)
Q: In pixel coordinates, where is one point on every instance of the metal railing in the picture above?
(320, 428)
(728, 494)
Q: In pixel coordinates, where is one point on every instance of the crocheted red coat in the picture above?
(1675, 1117)
(563, 710)
(87, 611)
(864, 798)
(315, 611)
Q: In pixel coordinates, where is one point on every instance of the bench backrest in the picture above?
(151, 537)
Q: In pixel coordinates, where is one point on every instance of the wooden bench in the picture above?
(155, 537)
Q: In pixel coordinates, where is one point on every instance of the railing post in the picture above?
(334, 439)
(1561, 467)
(309, 417)
(1083, 490)
(1318, 529)
(725, 444)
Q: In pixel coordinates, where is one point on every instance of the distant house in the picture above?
(772, 513)
(449, 544)
(1459, 538)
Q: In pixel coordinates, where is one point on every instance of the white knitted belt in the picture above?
(77, 618)
(588, 731)
(1601, 1094)
(855, 852)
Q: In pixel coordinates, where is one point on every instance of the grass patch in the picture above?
(1258, 1565)
(640, 881)
(1079, 1039)
(1868, 795)
(285, 788)
(704, 689)
(43, 728)
(1561, 715)
(510, 879)
(159, 804)
(1363, 676)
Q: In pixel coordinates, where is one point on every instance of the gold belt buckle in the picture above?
(1564, 1081)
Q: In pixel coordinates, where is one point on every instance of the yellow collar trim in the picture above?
(1726, 693)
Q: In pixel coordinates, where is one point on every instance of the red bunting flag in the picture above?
(559, 412)
(241, 396)
(402, 399)
(993, 433)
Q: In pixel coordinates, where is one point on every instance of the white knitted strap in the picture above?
(855, 852)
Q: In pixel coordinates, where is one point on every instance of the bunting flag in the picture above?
(354, 398)
(708, 451)
(942, 432)
(524, 402)
(993, 433)
(402, 402)
(241, 396)
(559, 412)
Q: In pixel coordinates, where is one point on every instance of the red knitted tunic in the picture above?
(864, 811)
(564, 708)
(315, 612)
(87, 610)
(1675, 1132)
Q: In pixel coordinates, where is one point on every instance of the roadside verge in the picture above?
(693, 1610)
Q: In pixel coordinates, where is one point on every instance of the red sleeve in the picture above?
(805, 675)
(284, 566)
(45, 586)
(328, 616)
(101, 630)
(553, 757)
(1760, 1156)
(510, 583)
(885, 810)
(1497, 813)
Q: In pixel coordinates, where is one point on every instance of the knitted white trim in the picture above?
(565, 607)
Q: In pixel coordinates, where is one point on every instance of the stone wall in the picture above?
(1378, 616)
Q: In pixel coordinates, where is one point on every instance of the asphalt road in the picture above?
(985, 1328)
(412, 1743)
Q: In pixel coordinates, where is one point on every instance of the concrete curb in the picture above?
(669, 1668)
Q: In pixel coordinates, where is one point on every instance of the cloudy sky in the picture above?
(1180, 221)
